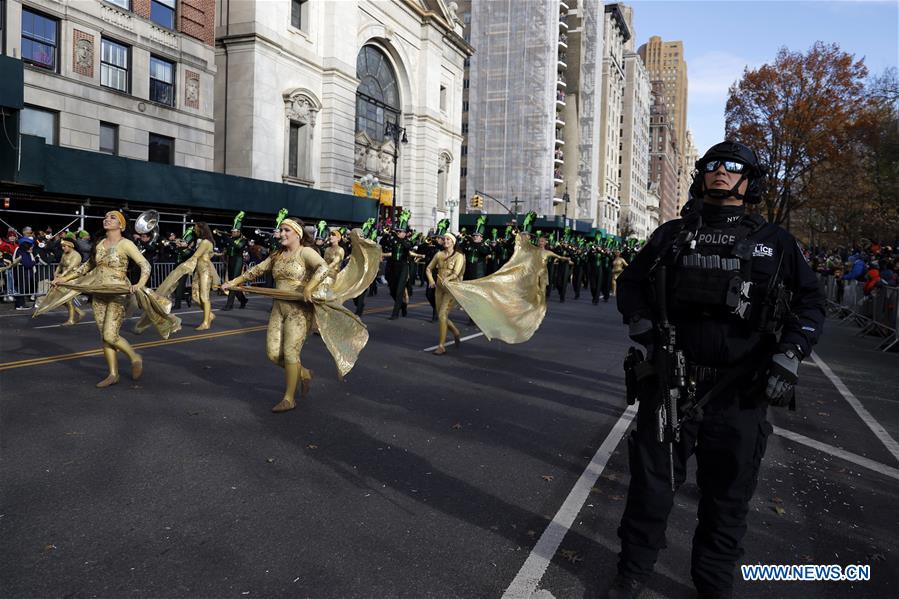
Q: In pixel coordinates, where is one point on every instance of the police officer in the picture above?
(744, 308)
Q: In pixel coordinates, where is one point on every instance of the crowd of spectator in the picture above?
(873, 264)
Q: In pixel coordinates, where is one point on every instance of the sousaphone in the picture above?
(148, 222)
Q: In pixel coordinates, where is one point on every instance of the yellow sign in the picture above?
(383, 195)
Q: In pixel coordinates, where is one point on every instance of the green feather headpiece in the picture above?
(321, 229)
(494, 233)
(403, 224)
(481, 225)
(282, 214)
(529, 221)
(188, 234)
(567, 234)
(367, 227)
(443, 226)
(238, 221)
(552, 238)
(509, 229)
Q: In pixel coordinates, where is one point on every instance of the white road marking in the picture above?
(839, 453)
(52, 326)
(462, 339)
(534, 567)
(864, 414)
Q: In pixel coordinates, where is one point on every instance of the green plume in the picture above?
(282, 214)
(443, 226)
(238, 220)
(529, 221)
(481, 224)
(189, 234)
(405, 215)
(321, 228)
(494, 234)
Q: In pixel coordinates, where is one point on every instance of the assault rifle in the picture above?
(671, 369)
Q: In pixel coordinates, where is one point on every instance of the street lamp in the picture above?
(397, 134)
(452, 203)
(369, 183)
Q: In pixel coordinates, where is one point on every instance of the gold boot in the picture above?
(112, 362)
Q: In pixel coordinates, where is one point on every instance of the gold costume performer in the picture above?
(305, 295)
(450, 266)
(334, 254)
(509, 304)
(105, 278)
(70, 261)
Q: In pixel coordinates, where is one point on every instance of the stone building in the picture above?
(306, 92)
(132, 78)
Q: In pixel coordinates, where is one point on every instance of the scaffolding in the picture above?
(512, 101)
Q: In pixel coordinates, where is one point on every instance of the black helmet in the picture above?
(731, 150)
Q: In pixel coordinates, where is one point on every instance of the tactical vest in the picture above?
(713, 277)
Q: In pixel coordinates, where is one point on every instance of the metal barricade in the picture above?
(32, 281)
(874, 313)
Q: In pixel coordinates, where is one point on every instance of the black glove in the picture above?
(782, 375)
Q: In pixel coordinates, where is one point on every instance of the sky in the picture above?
(722, 37)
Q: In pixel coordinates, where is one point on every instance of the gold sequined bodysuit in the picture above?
(449, 268)
(290, 322)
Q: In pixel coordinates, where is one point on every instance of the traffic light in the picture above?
(476, 201)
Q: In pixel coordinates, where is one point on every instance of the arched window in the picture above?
(378, 96)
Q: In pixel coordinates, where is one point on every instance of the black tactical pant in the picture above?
(729, 444)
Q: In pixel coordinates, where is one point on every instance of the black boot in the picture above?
(395, 314)
(625, 588)
(243, 304)
(404, 309)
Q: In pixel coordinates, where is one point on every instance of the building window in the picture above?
(114, 65)
(464, 171)
(299, 15)
(162, 149)
(465, 150)
(298, 151)
(162, 81)
(465, 106)
(443, 98)
(378, 94)
(109, 138)
(40, 36)
(126, 4)
(162, 12)
(39, 122)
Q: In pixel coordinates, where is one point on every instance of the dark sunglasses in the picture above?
(731, 166)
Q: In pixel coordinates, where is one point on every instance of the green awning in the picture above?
(93, 175)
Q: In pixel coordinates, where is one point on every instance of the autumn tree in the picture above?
(797, 114)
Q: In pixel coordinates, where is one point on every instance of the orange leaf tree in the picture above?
(797, 114)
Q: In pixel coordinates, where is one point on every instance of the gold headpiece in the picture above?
(451, 236)
(293, 225)
(119, 217)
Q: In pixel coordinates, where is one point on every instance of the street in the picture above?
(419, 476)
